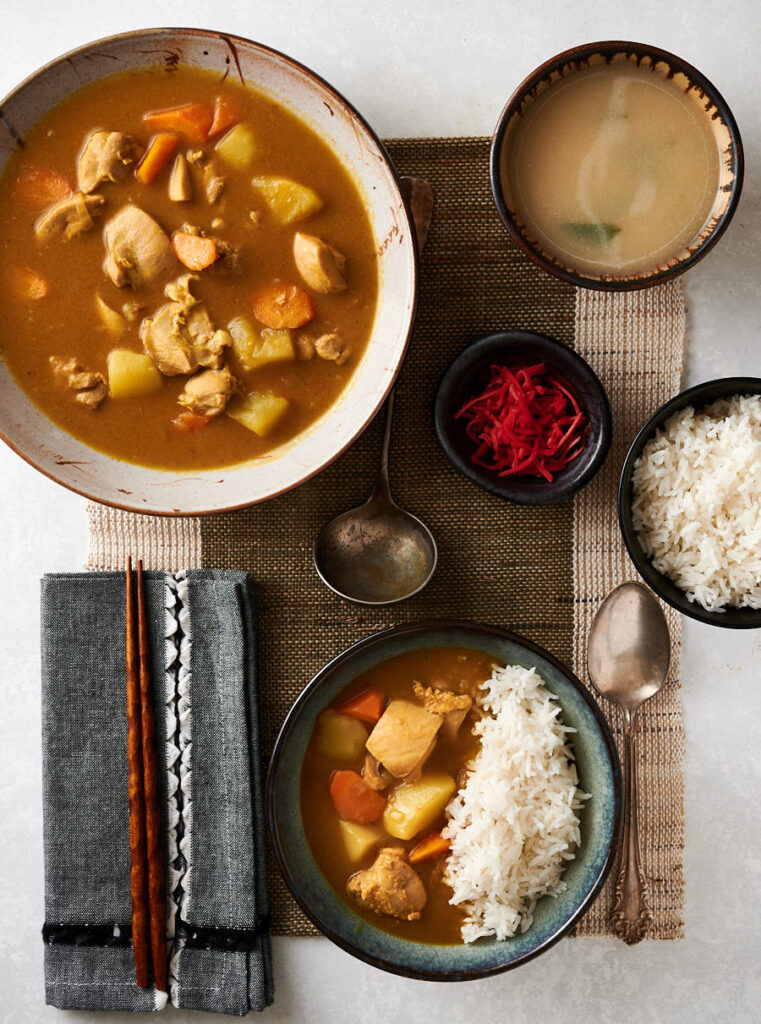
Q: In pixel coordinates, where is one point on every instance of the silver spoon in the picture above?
(628, 661)
(379, 553)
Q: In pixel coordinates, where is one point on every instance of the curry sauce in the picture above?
(65, 324)
(447, 670)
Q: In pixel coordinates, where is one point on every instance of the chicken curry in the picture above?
(188, 274)
(380, 769)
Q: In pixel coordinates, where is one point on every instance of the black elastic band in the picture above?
(234, 940)
(86, 934)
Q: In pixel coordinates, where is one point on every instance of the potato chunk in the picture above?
(414, 806)
(340, 737)
(238, 147)
(255, 350)
(131, 374)
(287, 200)
(259, 411)
(358, 840)
(276, 346)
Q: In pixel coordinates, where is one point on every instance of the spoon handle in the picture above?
(631, 917)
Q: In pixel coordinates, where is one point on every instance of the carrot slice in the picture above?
(353, 799)
(37, 186)
(189, 422)
(26, 285)
(366, 706)
(193, 120)
(194, 251)
(433, 845)
(279, 305)
(226, 114)
(160, 150)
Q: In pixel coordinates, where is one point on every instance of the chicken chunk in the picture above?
(330, 346)
(375, 775)
(180, 184)
(214, 184)
(319, 264)
(181, 290)
(390, 887)
(180, 340)
(106, 157)
(304, 346)
(404, 737)
(69, 217)
(453, 707)
(88, 386)
(209, 392)
(138, 251)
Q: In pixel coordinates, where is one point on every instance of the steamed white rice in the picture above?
(513, 825)
(696, 503)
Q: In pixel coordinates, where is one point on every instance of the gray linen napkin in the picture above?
(203, 654)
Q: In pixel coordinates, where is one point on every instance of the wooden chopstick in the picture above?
(156, 893)
(136, 793)
(146, 853)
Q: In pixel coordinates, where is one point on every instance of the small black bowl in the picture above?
(468, 375)
(660, 62)
(698, 396)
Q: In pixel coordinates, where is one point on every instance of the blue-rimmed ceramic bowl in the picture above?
(599, 774)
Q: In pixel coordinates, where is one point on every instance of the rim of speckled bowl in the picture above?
(698, 396)
(731, 160)
(425, 961)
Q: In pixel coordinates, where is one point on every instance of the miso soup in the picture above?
(613, 169)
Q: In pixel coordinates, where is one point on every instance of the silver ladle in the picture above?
(379, 553)
(628, 661)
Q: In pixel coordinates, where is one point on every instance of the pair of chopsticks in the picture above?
(146, 852)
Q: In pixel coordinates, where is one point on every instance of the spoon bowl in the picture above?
(375, 554)
(629, 646)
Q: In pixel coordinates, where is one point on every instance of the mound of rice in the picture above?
(696, 504)
(513, 825)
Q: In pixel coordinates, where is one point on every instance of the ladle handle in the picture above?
(631, 917)
(382, 489)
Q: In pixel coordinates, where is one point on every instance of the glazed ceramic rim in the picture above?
(501, 487)
(411, 629)
(608, 48)
(657, 581)
(232, 40)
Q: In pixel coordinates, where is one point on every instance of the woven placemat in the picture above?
(539, 571)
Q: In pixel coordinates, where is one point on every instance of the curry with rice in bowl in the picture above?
(439, 796)
(189, 274)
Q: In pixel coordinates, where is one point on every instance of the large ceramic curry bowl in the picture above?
(599, 774)
(101, 477)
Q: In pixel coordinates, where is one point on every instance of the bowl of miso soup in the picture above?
(616, 165)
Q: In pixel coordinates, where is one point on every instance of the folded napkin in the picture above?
(203, 670)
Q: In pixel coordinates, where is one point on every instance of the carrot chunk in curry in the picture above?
(193, 120)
